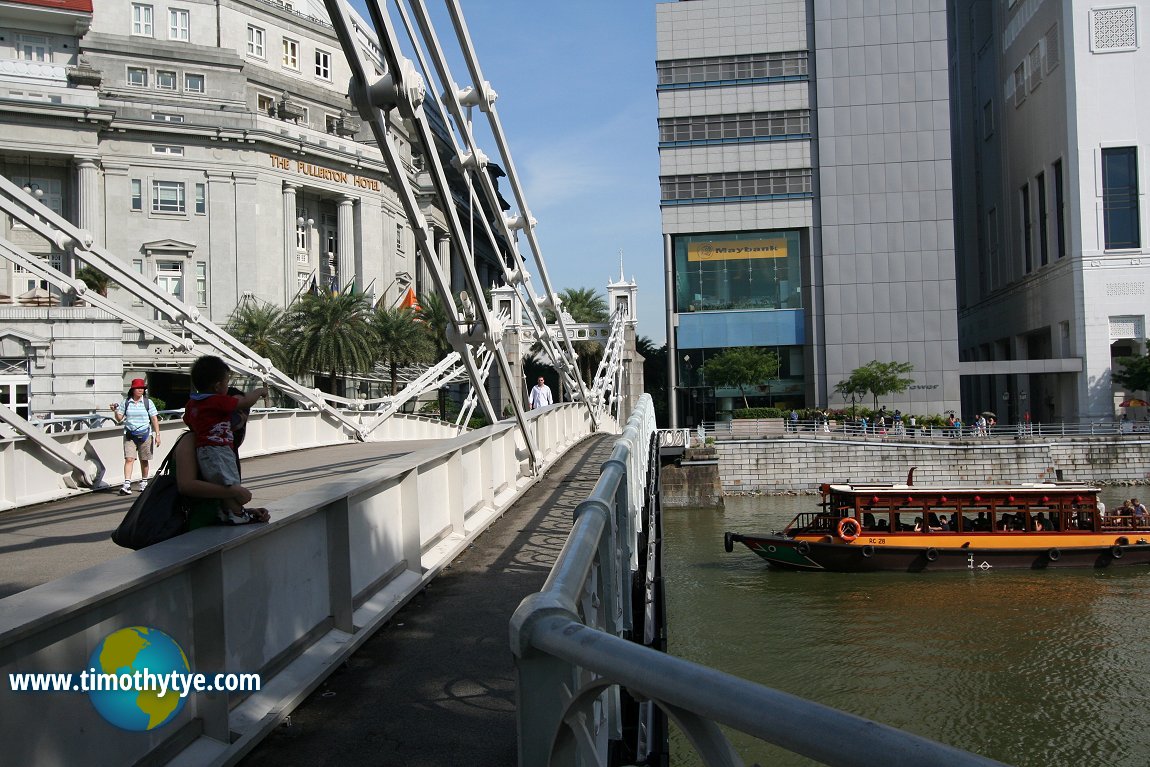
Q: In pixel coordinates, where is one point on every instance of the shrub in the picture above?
(758, 412)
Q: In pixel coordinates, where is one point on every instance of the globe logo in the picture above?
(124, 652)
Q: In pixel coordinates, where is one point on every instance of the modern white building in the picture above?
(1051, 125)
(805, 170)
(211, 146)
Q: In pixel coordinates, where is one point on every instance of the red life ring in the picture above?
(849, 523)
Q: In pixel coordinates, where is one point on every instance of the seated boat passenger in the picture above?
(868, 521)
(882, 525)
(1041, 523)
(940, 523)
(933, 522)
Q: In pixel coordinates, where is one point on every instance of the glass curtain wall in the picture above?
(743, 271)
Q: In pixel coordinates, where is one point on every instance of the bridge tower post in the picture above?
(623, 297)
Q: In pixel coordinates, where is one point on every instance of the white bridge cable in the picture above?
(473, 162)
(486, 99)
(401, 87)
(606, 387)
(468, 407)
(41, 219)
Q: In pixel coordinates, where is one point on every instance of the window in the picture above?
(291, 53)
(1019, 84)
(758, 184)
(170, 278)
(172, 149)
(1053, 54)
(137, 194)
(179, 24)
(743, 270)
(168, 197)
(322, 65)
(1043, 240)
(331, 123)
(194, 83)
(1120, 197)
(987, 120)
(1059, 209)
(201, 284)
(32, 48)
(15, 388)
(752, 126)
(138, 77)
(1027, 232)
(265, 104)
(141, 19)
(788, 65)
(302, 228)
(1034, 66)
(167, 117)
(399, 240)
(165, 80)
(201, 198)
(255, 42)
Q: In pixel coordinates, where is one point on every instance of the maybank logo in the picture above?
(144, 663)
(137, 679)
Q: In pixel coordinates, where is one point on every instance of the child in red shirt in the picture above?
(209, 415)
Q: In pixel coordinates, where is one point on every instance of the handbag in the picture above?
(159, 513)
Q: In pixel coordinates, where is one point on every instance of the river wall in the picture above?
(802, 463)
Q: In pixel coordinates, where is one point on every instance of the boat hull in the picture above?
(786, 553)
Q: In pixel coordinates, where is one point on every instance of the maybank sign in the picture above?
(327, 174)
(732, 250)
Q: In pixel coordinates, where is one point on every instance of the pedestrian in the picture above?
(794, 420)
(1139, 510)
(141, 431)
(209, 415)
(540, 395)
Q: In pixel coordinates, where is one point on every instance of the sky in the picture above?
(576, 85)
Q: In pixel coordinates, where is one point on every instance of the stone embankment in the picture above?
(797, 463)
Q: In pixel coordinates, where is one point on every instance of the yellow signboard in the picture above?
(733, 250)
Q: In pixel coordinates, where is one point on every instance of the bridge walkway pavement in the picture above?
(50, 540)
(436, 686)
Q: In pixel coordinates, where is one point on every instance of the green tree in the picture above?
(95, 280)
(433, 313)
(655, 375)
(882, 378)
(331, 332)
(401, 340)
(742, 367)
(260, 327)
(1132, 372)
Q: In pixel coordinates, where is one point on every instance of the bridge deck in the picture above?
(437, 686)
(48, 541)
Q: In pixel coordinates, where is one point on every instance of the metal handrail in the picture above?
(577, 651)
(727, 429)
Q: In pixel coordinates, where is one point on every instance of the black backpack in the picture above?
(159, 513)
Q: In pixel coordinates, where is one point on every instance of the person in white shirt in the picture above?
(540, 395)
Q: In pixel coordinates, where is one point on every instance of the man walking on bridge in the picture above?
(540, 395)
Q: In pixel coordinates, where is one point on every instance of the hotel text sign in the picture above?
(327, 174)
(732, 250)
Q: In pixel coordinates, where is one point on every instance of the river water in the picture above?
(1027, 667)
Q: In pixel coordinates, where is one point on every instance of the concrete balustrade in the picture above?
(289, 600)
(29, 475)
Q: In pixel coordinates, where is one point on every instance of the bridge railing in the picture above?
(580, 654)
(288, 600)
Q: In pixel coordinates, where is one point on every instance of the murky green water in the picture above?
(1030, 668)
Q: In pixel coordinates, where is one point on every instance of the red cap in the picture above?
(138, 383)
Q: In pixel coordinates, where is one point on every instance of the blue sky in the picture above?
(576, 85)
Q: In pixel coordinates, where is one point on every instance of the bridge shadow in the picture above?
(437, 686)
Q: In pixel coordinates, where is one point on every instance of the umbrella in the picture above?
(1134, 402)
(38, 297)
(988, 414)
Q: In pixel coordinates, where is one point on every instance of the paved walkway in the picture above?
(436, 686)
(50, 540)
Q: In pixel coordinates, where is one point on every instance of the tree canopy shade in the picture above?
(655, 375)
(95, 279)
(401, 340)
(1132, 372)
(331, 332)
(742, 367)
(879, 378)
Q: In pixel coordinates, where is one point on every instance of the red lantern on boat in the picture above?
(942, 499)
(1010, 499)
(978, 498)
(874, 499)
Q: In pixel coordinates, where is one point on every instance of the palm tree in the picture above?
(331, 332)
(586, 305)
(401, 340)
(433, 313)
(261, 329)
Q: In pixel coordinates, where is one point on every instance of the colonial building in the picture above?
(212, 147)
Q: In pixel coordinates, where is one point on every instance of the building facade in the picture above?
(210, 145)
(805, 175)
(1052, 250)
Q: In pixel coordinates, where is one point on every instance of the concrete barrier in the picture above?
(288, 600)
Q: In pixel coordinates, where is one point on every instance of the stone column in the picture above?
(289, 205)
(443, 250)
(88, 189)
(345, 258)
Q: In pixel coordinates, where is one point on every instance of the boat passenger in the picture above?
(868, 521)
(933, 523)
(882, 525)
(982, 523)
(942, 524)
(918, 524)
(1041, 523)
